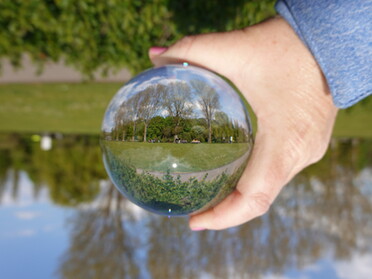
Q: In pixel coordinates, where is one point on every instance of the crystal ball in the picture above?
(176, 139)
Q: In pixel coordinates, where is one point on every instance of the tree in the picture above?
(177, 101)
(209, 102)
(122, 118)
(223, 126)
(129, 110)
(197, 132)
(111, 35)
(150, 104)
(105, 222)
(156, 127)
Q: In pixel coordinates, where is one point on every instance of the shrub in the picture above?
(114, 34)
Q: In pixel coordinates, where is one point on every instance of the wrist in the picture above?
(279, 57)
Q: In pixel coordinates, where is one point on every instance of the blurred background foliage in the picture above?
(94, 35)
(71, 170)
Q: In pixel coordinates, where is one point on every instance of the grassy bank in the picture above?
(55, 107)
(79, 108)
(355, 121)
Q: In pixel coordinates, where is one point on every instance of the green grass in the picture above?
(188, 157)
(79, 108)
(355, 121)
(54, 107)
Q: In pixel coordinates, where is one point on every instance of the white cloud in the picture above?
(121, 96)
(49, 228)
(364, 182)
(131, 210)
(26, 233)
(26, 215)
(273, 276)
(125, 93)
(359, 266)
(137, 212)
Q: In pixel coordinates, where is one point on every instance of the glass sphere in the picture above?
(176, 139)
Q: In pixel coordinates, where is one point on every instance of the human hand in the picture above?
(286, 89)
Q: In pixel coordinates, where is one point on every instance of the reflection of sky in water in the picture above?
(357, 267)
(229, 100)
(34, 236)
(32, 233)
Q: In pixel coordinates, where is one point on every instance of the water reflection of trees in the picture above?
(71, 170)
(100, 246)
(325, 210)
(178, 111)
(342, 205)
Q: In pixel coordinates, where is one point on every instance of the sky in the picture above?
(230, 101)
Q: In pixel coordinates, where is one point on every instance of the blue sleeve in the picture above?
(339, 35)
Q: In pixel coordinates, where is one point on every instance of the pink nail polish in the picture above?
(197, 229)
(157, 50)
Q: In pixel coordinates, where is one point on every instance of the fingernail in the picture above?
(197, 229)
(157, 50)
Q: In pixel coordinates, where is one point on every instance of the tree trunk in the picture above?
(145, 133)
(134, 130)
(209, 132)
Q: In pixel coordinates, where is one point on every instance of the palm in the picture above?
(286, 89)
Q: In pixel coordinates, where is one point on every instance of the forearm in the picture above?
(339, 35)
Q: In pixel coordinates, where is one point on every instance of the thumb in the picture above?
(268, 170)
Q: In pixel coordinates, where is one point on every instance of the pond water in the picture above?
(61, 217)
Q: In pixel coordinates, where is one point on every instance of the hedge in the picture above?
(93, 35)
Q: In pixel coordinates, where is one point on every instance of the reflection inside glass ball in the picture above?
(176, 139)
